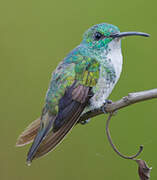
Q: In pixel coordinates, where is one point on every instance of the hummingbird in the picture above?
(81, 82)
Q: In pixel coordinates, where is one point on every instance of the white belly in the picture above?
(104, 86)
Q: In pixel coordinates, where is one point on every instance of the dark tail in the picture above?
(43, 131)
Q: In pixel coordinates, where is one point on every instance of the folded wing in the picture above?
(67, 117)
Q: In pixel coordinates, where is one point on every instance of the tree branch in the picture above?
(132, 98)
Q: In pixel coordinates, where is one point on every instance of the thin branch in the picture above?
(132, 98)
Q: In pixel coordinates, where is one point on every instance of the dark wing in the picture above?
(76, 83)
(44, 129)
(71, 106)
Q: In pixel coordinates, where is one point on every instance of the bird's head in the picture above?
(99, 36)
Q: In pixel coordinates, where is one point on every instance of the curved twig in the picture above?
(114, 147)
(132, 98)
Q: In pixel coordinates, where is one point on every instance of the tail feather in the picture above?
(42, 133)
(28, 135)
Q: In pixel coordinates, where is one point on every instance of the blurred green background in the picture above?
(34, 36)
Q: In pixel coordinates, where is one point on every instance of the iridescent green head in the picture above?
(100, 35)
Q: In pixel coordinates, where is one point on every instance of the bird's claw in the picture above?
(107, 101)
(84, 122)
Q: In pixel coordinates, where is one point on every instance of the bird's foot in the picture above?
(107, 101)
(84, 122)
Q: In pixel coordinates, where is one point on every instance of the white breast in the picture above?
(103, 89)
(115, 55)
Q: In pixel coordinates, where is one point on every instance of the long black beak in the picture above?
(123, 34)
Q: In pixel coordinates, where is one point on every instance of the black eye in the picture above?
(97, 36)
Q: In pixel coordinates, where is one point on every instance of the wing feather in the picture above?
(66, 118)
(68, 94)
(53, 139)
